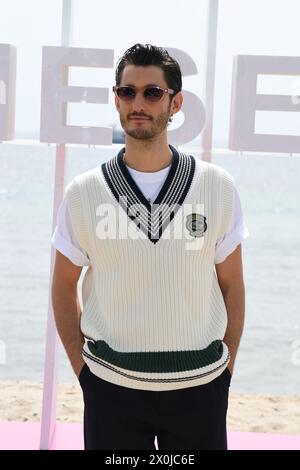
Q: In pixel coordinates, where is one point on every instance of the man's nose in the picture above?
(139, 101)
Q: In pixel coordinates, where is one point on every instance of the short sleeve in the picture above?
(236, 233)
(64, 239)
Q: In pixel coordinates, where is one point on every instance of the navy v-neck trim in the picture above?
(152, 220)
(134, 186)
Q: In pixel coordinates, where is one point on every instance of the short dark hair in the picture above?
(147, 54)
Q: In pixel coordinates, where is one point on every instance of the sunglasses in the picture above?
(153, 94)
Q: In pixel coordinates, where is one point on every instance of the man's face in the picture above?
(157, 114)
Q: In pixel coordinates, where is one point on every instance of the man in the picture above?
(163, 305)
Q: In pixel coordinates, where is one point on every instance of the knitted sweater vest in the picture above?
(153, 314)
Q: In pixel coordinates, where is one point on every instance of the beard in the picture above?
(149, 130)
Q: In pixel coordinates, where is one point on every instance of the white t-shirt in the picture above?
(64, 239)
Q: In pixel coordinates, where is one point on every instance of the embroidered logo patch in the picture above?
(196, 225)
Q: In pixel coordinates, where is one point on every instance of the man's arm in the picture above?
(67, 309)
(230, 278)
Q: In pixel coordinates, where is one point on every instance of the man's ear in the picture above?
(177, 102)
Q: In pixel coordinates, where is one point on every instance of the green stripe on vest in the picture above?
(160, 361)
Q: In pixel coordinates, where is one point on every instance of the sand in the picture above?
(21, 401)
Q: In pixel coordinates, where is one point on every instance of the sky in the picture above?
(263, 27)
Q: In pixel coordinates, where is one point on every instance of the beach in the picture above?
(22, 401)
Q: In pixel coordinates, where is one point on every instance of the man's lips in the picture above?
(139, 119)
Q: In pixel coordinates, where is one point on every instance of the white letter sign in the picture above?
(246, 101)
(192, 106)
(56, 94)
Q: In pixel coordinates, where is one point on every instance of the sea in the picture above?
(268, 361)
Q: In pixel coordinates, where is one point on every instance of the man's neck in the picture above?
(147, 158)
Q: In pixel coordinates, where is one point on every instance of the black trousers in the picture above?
(121, 418)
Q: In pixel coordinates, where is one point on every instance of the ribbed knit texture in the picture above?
(153, 313)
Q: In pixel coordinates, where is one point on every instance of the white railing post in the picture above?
(48, 421)
(209, 86)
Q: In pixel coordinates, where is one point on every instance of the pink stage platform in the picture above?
(25, 436)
